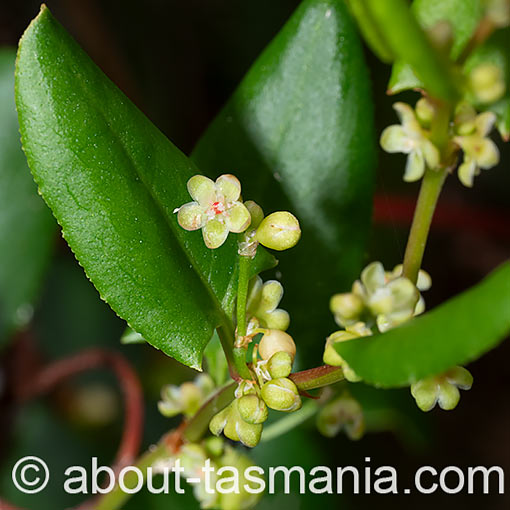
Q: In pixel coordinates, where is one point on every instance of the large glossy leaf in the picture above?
(113, 181)
(463, 17)
(299, 129)
(455, 333)
(26, 226)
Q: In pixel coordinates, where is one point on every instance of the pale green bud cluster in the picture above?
(382, 298)
(192, 457)
(442, 389)
(262, 304)
(187, 398)
(231, 423)
(342, 413)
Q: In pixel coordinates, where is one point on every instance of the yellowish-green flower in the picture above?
(410, 138)
(382, 297)
(187, 398)
(343, 412)
(217, 209)
(480, 152)
(442, 389)
(262, 303)
(331, 356)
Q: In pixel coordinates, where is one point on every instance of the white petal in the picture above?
(431, 153)
(202, 189)
(487, 154)
(395, 139)
(229, 186)
(484, 123)
(467, 171)
(415, 166)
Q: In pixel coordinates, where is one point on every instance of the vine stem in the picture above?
(430, 190)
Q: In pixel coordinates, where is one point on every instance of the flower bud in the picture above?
(331, 356)
(252, 409)
(279, 365)
(281, 394)
(279, 231)
(487, 82)
(219, 421)
(425, 111)
(346, 307)
(275, 341)
(256, 213)
(239, 430)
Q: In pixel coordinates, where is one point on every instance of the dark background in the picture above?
(179, 61)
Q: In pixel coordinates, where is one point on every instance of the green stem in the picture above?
(239, 353)
(290, 421)
(427, 199)
(430, 190)
(242, 293)
(317, 377)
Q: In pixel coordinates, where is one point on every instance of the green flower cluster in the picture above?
(242, 420)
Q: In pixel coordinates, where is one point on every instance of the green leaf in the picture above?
(113, 180)
(300, 130)
(455, 333)
(463, 16)
(26, 226)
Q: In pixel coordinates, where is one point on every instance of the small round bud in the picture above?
(279, 365)
(424, 111)
(348, 305)
(214, 446)
(276, 341)
(281, 394)
(252, 409)
(279, 231)
(487, 82)
(219, 421)
(256, 213)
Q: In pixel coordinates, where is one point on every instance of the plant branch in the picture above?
(430, 190)
(55, 373)
(318, 377)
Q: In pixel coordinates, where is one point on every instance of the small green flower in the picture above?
(480, 152)
(262, 303)
(442, 389)
(343, 412)
(331, 356)
(185, 399)
(410, 138)
(216, 209)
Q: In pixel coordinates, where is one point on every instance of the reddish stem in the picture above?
(50, 376)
